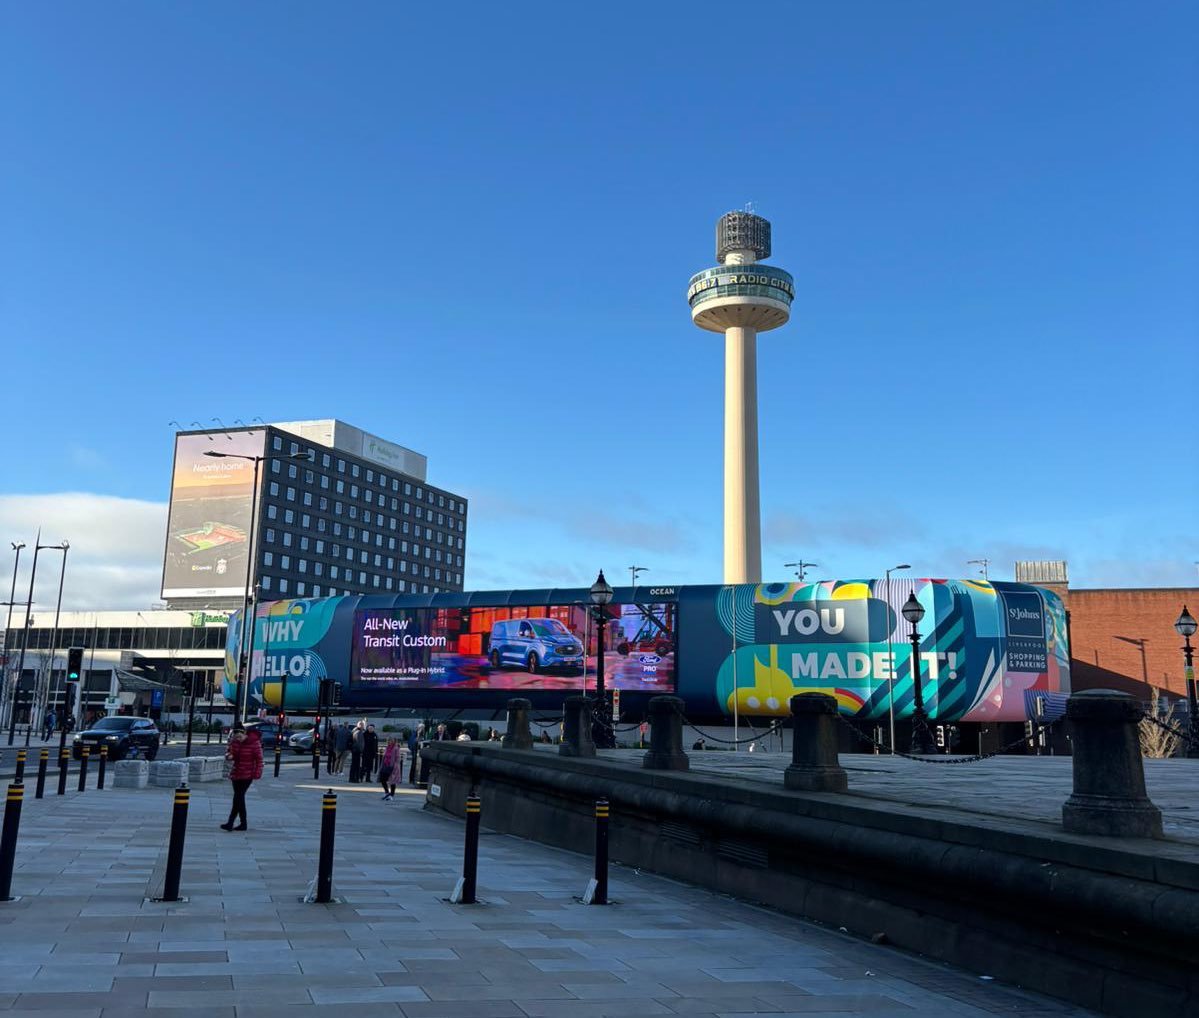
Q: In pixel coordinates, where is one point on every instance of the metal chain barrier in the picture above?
(969, 759)
(738, 742)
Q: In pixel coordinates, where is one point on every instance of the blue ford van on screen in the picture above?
(534, 644)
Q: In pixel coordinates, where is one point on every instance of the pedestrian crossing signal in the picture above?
(74, 663)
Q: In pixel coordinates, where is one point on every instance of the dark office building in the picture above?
(340, 511)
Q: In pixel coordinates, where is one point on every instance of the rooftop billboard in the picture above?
(208, 525)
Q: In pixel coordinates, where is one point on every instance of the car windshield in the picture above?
(550, 627)
(114, 724)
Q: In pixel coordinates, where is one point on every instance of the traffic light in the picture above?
(74, 663)
(279, 718)
(330, 692)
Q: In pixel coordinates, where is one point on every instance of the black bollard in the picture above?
(316, 760)
(324, 868)
(1109, 795)
(577, 739)
(170, 886)
(814, 763)
(83, 769)
(278, 756)
(597, 889)
(518, 734)
(464, 893)
(64, 767)
(103, 767)
(8, 838)
(666, 735)
(20, 775)
(42, 762)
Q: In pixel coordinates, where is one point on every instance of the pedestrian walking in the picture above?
(356, 745)
(414, 741)
(343, 746)
(370, 752)
(244, 754)
(48, 724)
(388, 768)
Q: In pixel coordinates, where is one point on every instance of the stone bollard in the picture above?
(1109, 776)
(518, 735)
(130, 774)
(168, 773)
(666, 735)
(814, 765)
(577, 739)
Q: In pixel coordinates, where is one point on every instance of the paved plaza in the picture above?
(83, 941)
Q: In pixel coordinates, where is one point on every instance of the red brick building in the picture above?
(1121, 638)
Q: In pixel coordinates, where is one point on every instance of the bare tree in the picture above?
(1157, 742)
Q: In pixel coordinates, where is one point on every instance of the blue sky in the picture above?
(470, 230)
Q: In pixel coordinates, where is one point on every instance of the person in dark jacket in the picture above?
(414, 741)
(357, 736)
(370, 752)
(244, 754)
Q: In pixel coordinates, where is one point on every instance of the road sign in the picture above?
(156, 698)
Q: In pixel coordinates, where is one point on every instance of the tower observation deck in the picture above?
(741, 298)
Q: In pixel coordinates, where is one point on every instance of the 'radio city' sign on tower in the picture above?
(741, 298)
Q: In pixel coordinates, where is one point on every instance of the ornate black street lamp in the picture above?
(601, 597)
(1185, 627)
(922, 740)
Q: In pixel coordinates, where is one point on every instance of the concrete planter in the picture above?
(130, 774)
(168, 773)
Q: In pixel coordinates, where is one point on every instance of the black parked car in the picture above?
(268, 732)
(124, 736)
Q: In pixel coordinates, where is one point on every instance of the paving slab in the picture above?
(84, 940)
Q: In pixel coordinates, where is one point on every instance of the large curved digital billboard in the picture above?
(986, 650)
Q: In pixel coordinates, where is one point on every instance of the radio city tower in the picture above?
(741, 298)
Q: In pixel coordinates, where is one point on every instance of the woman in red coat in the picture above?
(245, 756)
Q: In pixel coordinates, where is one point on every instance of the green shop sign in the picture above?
(203, 619)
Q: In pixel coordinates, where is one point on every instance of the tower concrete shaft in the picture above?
(742, 515)
(741, 298)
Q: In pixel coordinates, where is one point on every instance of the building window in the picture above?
(407, 508)
(303, 563)
(316, 590)
(362, 578)
(440, 501)
(286, 539)
(341, 466)
(284, 561)
(306, 521)
(370, 476)
(407, 488)
(308, 498)
(303, 543)
(270, 535)
(318, 569)
(277, 444)
(290, 494)
(264, 582)
(324, 482)
(275, 466)
(268, 558)
(282, 585)
(300, 587)
(402, 586)
(362, 557)
(272, 511)
(353, 490)
(388, 583)
(320, 546)
(353, 512)
(326, 459)
(375, 581)
(292, 471)
(333, 572)
(354, 470)
(323, 504)
(273, 488)
(338, 508)
(289, 516)
(405, 527)
(420, 513)
(320, 524)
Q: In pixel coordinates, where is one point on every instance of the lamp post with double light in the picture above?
(12, 721)
(922, 740)
(1185, 627)
(801, 568)
(245, 645)
(601, 597)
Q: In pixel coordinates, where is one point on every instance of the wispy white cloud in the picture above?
(115, 559)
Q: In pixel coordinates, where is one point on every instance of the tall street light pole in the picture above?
(245, 645)
(634, 572)
(12, 596)
(16, 689)
(50, 685)
(1185, 627)
(982, 563)
(891, 656)
(801, 568)
(922, 741)
(601, 597)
